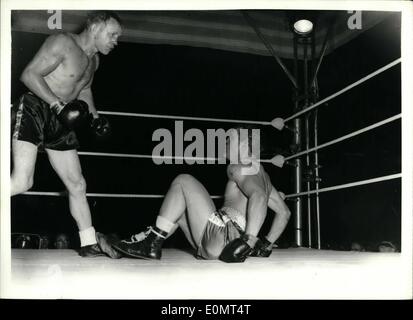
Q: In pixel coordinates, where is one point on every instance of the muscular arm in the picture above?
(254, 190)
(86, 93)
(282, 215)
(87, 96)
(47, 59)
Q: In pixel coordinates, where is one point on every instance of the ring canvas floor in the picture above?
(294, 273)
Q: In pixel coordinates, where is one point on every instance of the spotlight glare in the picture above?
(303, 26)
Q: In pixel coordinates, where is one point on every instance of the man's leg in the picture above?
(67, 166)
(187, 203)
(183, 224)
(24, 160)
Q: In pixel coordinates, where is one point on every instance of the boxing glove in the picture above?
(236, 251)
(101, 128)
(72, 114)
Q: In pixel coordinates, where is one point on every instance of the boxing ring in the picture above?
(277, 160)
(294, 273)
(288, 273)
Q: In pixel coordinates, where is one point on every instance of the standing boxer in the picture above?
(59, 78)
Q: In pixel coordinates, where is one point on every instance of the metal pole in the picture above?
(307, 143)
(317, 181)
(307, 138)
(322, 53)
(298, 170)
(311, 97)
(297, 187)
(269, 47)
(314, 87)
(312, 58)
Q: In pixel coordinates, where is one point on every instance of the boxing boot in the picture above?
(101, 248)
(91, 251)
(145, 245)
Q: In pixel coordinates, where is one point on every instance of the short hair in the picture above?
(101, 16)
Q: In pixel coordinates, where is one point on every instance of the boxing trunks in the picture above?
(223, 226)
(33, 121)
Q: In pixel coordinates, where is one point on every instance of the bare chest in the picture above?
(75, 71)
(77, 67)
(234, 197)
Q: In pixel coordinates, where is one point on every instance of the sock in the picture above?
(251, 240)
(160, 233)
(164, 224)
(87, 237)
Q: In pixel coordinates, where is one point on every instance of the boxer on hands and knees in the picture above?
(229, 233)
(59, 78)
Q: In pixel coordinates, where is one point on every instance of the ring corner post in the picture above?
(298, 165)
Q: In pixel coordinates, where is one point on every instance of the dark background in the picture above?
(180, 80)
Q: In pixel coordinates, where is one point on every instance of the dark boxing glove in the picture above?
(101, 128)
(236, 251)
(72, 114)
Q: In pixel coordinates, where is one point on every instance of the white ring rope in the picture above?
(157, 196)
(346, 185)
(102, 195)
(311, 107)
(277, 123)
(146, 115)
(147, 156)
(371, 75)
(142, 156)
(347, 136)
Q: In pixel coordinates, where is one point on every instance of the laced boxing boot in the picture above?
(103, 247)
(263, 248)
(144, 245)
